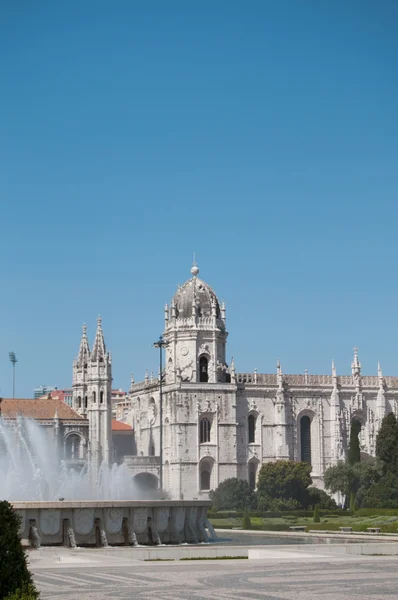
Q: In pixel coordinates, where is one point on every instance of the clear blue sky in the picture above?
(262, 135)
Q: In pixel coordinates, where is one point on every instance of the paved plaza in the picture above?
(284, 575)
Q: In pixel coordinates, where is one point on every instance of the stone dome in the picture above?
(195, 290)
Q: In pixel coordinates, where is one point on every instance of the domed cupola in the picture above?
(196, 297)
(195, 334)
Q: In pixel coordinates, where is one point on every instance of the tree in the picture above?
(283, 483)
(14, 574)
(246, 522)
(317, 518)
(320, 498)
(233, 494)
(354, 450)
(383, 493)
(352, 481)
(387, 443)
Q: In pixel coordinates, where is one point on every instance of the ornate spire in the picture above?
(99, 349)
(334, 374)
(232, 367)
(84, 349)
(380, 375)
(279, 374)
(195, 268)
(356, 365)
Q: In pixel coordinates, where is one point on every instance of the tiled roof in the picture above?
(119, 426)
(42, 408)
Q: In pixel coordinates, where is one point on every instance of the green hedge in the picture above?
(377, 512)
(231, 514)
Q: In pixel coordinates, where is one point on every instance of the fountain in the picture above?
(60, 505)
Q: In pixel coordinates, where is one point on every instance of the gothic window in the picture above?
(203, 369)
(101, 397)
(79, 402)
(94, 397)
(305, 439)
(72, 447)
(152, 449)
(251, 422)
(205, 480)
(205, 427)
(205, 470)
(252, 474)
(85, 401)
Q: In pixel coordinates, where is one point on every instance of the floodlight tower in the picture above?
(13, 360)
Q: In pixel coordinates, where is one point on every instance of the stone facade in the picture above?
(218, 423)
(92, 385)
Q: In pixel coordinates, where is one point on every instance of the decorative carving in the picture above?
(178, 518)
(83, 519)
(161, 518)
(49, 521)
(204, 349)
(140, 516)
(113, 520)
(152, 412)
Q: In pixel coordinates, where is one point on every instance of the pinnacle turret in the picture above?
(99, 348)
(84, 349)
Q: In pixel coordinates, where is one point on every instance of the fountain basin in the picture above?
(102, 523)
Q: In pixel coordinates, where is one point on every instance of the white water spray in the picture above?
(31, 469)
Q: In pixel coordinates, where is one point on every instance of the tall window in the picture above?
(101, 397)
(252, 474)
(205, 427)
(79, 401)
(305, 439)
(205, 479)
(203, 369)
(94, 397)
(85, 401)
(251, 421)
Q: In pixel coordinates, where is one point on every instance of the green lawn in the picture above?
(387, 524)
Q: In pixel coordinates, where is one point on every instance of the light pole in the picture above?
(13, 360)
(160, 344)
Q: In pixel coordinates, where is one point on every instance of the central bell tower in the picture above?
(195, 332)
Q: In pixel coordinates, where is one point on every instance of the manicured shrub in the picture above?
(26, 593)
(317, 518)
(14, 574)
(246, 522)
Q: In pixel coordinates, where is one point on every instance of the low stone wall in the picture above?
(370, 549)
(112, 523)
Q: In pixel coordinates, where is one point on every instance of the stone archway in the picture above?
(146, 482)
(74, 445)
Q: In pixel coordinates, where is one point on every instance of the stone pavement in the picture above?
(283, 575)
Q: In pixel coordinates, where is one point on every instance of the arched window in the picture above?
(79, 401)
(85, 401)
(251, 422)
(94, 397)
(305, 439)
(101, 397)
(252, 474)
(152, 449)
(205, 428)
(205, 470)
(72, 447)
(205, 480)
(203, 369)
